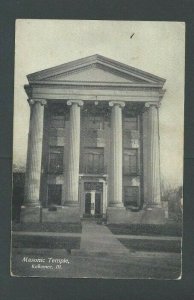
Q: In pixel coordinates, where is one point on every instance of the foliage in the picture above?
(174, 196)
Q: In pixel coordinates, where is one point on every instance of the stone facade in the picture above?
(93, 145)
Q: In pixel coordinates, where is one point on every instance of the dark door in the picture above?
(97, 203)
(88, 203)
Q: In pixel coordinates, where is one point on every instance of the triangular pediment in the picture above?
(95, 69)
(95, 73)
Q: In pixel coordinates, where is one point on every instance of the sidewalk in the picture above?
(99, 239)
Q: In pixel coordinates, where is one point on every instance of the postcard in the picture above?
(98, 149)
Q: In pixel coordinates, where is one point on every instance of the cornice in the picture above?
(48, 87)
(78, 84)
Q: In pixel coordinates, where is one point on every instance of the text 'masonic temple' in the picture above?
(93, 144)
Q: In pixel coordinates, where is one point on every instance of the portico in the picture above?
(93, 145)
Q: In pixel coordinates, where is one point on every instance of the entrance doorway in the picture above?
(93, 203)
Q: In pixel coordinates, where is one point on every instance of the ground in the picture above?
(136, 265)
(101, 255)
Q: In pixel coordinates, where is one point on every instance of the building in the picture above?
(93, 144)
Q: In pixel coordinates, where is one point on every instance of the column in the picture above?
(154, 195)
(34, 154)
(116, 167)
(72, 174)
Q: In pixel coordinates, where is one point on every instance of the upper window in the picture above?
(56, 160)
(94, 160)
(130, 123)
(95, 122)
(57, 121)
(130, 161)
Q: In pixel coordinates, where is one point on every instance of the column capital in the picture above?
(149, 104)
(32, 101)
(119, 103)
(78, 102)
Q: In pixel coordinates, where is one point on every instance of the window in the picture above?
(57, 121)
(131, 195)
(130, 123)
(54, 194)
(95, 122)
(130, 161)
(56, 160)
(94, 160)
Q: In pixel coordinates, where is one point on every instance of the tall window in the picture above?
(130, 123)
(131, 195)
(94, 160)
(56, 159)
(54, 194)
(130, 165)
(95, 122)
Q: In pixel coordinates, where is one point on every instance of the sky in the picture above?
(156, 47)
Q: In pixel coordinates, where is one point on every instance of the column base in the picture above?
(116, 215)
(116, 204)
(62, 214)
(148, 215)
(153, 215)
(71, 204)
(30, 214)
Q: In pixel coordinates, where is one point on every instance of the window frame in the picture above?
(54, 117)
(61, 160)
(101, 122)
(93, 170)
(128, 173)
(127, 118)
(132, 202)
